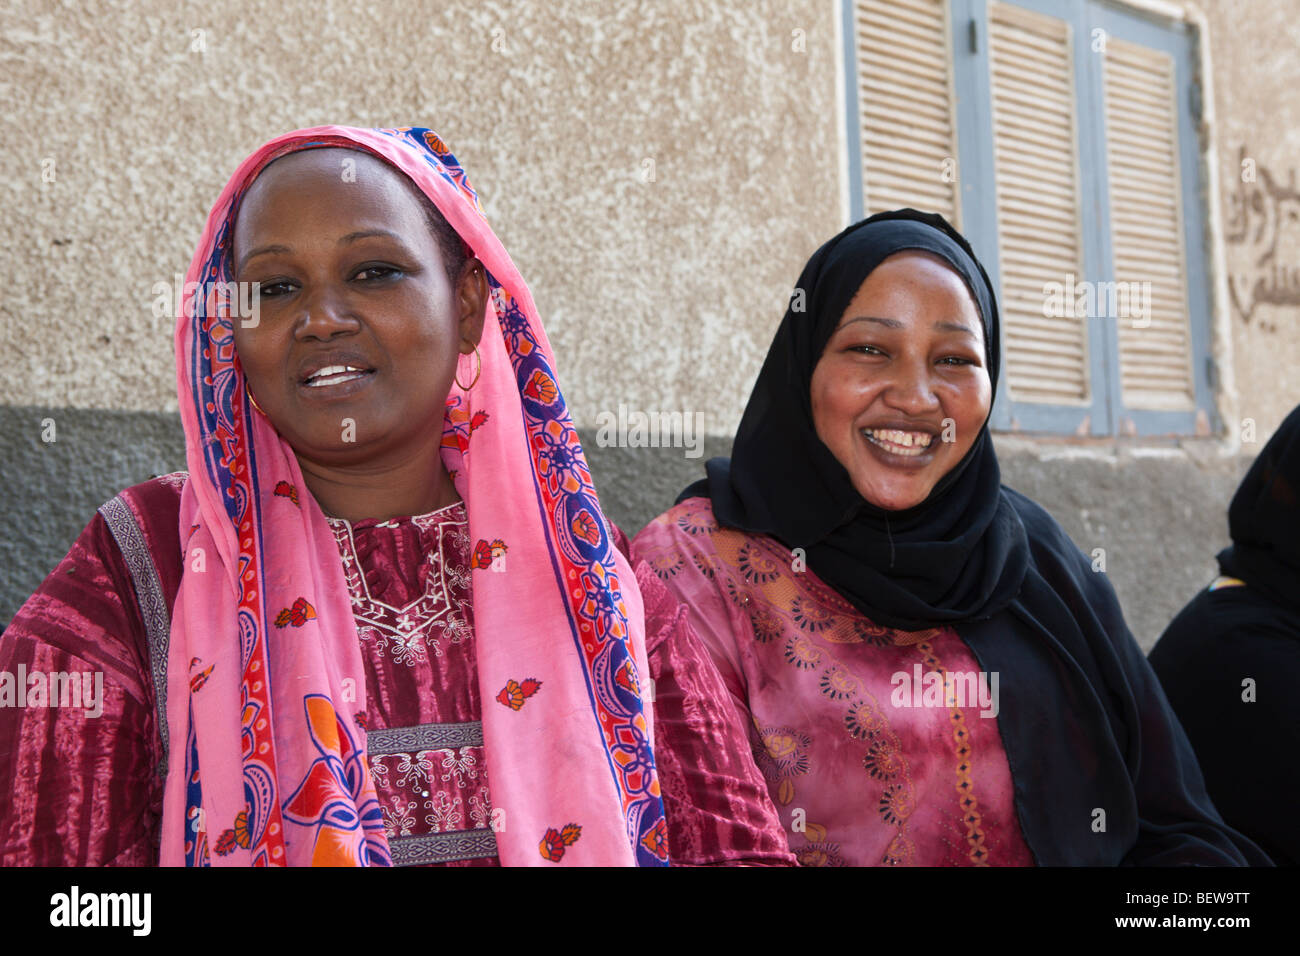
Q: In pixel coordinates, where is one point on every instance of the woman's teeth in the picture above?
(907, 444)
(335, 375)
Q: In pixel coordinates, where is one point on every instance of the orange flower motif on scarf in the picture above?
(435, 143)
(656, 841)
(485, 553)
(237, 836)
(462, 425)
(515, 692)
(298, 615)
(554, 843)
(584, 526)
(198, 680)
(625, 677)
(541, 388)
(286, 490)
(334, 798)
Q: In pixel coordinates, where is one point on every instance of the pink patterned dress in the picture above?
(861, 773)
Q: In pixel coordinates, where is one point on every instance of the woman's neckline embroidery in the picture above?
(423, 519)
(408, 633)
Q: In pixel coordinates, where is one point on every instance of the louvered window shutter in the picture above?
(1147, 227)
(907, 123)
(1036, 175)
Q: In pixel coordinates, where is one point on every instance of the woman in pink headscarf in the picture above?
(382, 619)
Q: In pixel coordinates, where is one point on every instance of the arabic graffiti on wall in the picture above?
(1258, 210)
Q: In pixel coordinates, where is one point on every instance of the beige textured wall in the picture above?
(1255, 47)
(661, 294)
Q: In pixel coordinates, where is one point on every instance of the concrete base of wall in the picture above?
(1159, 517)
(49, 490)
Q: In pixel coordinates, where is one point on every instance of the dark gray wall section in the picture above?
(1160, 520)
(49, 492)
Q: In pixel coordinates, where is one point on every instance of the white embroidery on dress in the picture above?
(480, 807)
(457, 628)
(399, 820)
(176, 479)
(460, 538)
(457, 577)
(409, 649)
(445, 815)
(460, 763)
(407, 634)
(414, 769)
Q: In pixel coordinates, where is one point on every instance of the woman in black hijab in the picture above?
(1230, 661)
(869, 590)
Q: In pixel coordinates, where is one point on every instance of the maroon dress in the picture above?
(86, 789)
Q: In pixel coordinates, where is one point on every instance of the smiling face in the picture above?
(358, 317)
(902, 389)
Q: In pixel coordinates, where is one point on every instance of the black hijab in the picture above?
(959, 555)
(1102, 771)
(1264, 520)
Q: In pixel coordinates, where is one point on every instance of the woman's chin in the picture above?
(333, 446)
(893, 497)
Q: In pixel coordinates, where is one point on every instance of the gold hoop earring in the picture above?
(254, 401)
(478, 360)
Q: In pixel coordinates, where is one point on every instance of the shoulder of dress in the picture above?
(689, 519)
(156, 503)
(159, 487)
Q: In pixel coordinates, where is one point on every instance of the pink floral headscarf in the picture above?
(266, 749)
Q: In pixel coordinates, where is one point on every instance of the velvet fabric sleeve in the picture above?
(83, 788)
(715, 800)
(683, 560)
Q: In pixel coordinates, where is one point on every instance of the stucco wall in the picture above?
(1254, 45)
(657, 171)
